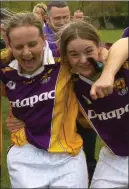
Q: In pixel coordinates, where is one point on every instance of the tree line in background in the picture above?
(90, 8)
(100, 12)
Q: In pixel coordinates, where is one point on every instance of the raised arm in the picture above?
(118, 54)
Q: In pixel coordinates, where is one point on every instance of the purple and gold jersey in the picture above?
(47, 105)
(109, 116)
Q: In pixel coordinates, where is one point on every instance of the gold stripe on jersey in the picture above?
(19, 137)
(63, 130)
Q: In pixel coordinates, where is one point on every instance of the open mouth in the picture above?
(29, 63)
(86, 65)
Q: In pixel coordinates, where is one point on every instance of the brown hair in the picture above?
(59, 4)
(22, 19)
(74, 30)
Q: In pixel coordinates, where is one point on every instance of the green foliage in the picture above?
(19, 6)
(90, 8)
(110, 35)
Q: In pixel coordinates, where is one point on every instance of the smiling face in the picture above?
(77, 52)
(58, 17)
(27, 46)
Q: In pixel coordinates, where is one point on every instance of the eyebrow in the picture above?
(27, 43)
(32, 42)
(73, 51)
(89, 47)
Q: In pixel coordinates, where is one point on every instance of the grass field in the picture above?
(106, 36)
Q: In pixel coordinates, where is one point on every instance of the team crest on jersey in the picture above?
(46, 78)
(120, 86)
(11, 85)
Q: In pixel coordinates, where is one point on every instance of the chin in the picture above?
(87, 75)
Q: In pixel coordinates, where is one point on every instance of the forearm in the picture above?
(118, 54)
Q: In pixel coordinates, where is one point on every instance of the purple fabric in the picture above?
(126, 33)
(51, 38)
(110, 115)
(32, 101)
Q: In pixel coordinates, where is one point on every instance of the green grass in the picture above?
(6, 142)
(106, 36)
(110, 35)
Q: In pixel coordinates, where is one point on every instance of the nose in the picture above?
(83, 59)
(62, 21)
(26, 51)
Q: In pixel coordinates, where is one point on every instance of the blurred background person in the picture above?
(58, 14)
(40, 10)
(78, 15)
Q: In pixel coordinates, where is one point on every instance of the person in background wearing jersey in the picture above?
(58, 14)
(47, 152)
(109, 115)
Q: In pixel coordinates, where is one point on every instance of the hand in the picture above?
(13, 124)
(102, 87)
(103, 55)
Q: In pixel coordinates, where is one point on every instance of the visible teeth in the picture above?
(29, 61)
